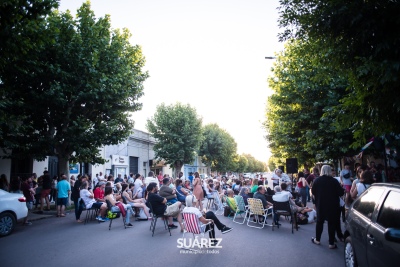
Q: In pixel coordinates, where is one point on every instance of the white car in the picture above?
(12, 209)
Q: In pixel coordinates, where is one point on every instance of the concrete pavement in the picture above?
(63, 242)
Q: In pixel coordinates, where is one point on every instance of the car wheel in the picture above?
(349, 256)
(7, 223)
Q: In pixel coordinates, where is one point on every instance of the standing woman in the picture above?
(302, 185)
(326, 191)
(198, 190)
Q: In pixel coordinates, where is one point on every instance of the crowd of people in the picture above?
(132, 194)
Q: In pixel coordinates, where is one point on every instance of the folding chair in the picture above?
(219, 203)
(192, 225)
(154, 221)
(231, 205)
(284, 209)
(118, 214)
(210, 202)
(240, 209)
(90, 213)
(257, 209)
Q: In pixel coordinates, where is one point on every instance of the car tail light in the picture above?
(22, 199)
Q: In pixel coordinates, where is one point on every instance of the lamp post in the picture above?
(270, 57)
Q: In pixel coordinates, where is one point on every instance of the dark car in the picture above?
(372, 236)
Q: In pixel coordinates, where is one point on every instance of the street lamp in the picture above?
(270, 57)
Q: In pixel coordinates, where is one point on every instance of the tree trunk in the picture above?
(63, 167)
(178, 167)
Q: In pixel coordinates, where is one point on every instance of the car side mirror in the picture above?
(392, 234)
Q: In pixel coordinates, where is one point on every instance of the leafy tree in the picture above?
(178, 131)
(357, 37)
(218, 149)
(242, 163)
(78, 94)
(300, 114)
(19, 35)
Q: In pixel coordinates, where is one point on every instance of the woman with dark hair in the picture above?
(302, 185)
(134, 202)
(366, 179)
(138, 189)
(108, 195)
(181, 191)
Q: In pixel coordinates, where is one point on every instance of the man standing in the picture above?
(101, 177)
(46, 189)
(190, 177)
(159, 206)
(150, 179)
(326, 191)
(63, 192)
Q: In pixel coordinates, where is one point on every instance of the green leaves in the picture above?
(178, 131)
(76, 90)
(218, 149)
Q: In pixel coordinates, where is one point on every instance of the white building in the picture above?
(135, 155)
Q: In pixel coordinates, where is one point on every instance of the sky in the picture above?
(206, 53)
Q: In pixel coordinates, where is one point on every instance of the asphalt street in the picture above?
(63, 242)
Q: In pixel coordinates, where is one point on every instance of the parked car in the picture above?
(12, 209)
(372, 236)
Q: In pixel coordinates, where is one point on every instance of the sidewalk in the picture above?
(34, 216)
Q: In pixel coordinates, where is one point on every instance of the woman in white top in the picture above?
(366, 179)
(88, 198)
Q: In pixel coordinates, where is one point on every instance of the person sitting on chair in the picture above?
(108, 195)
(159, 206)
(260, 194)
(181, 192)
(167, 192)
(205, 218)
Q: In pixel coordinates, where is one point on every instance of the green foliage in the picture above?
(253, 165)
(301, 113)
(178, 131)
(218, 149)
(76, 90)
(358, 38)
(19, 35)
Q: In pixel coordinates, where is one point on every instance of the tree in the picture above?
(78, 93)
(178, 131)
(242, 163)
(300, 118)
(218, 149)
(357, 37)
(20, 38)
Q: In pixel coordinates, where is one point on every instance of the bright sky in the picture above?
(208, 53)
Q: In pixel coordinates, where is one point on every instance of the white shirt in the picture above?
(361, 187)
(138, 185)
(149, 180)
(194, 210)
(280, 197)
(85, 195)
(311, 216)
